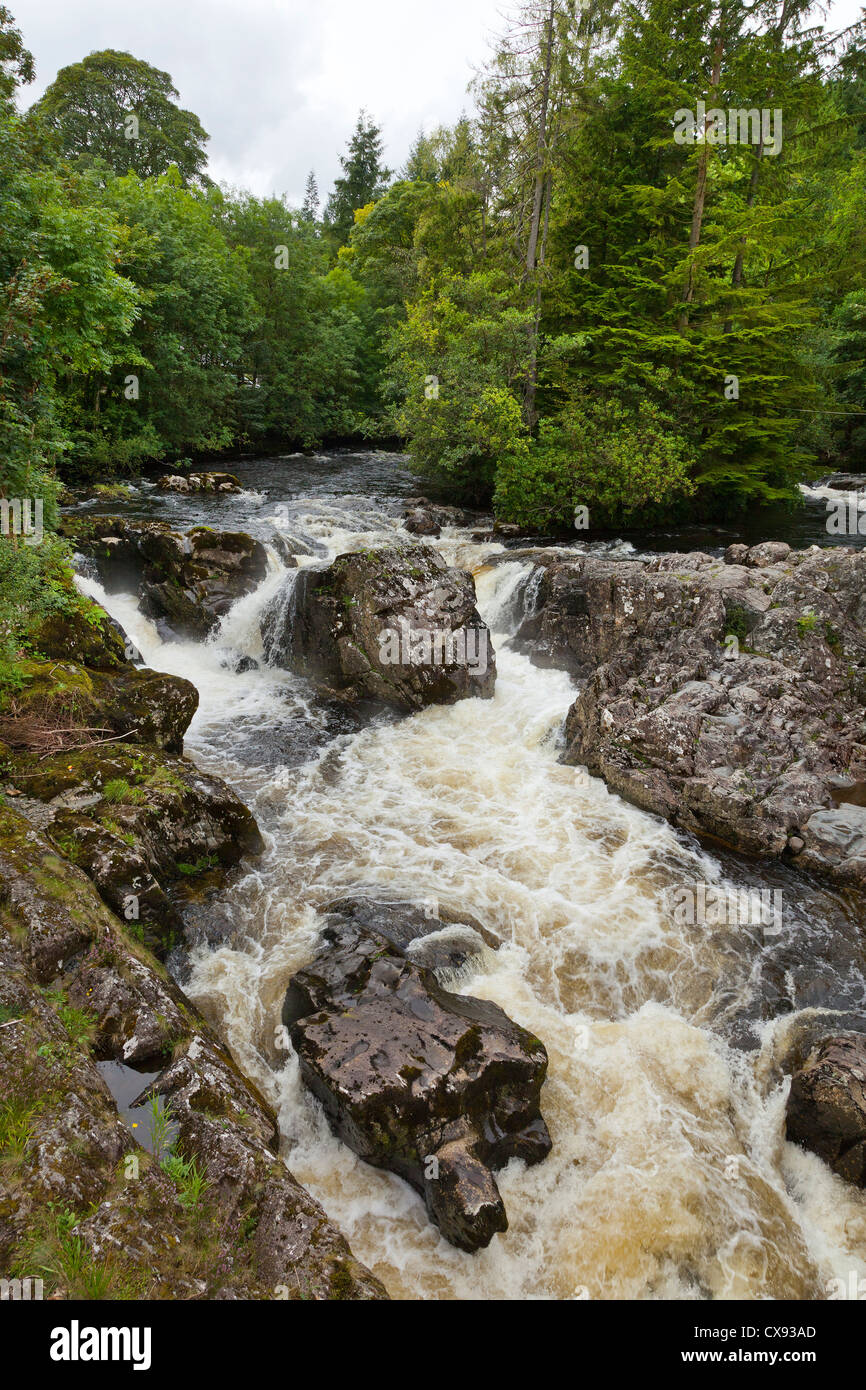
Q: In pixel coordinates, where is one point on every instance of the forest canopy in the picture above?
(633, 279)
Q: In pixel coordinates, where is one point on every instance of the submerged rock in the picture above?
(826, 1109)
(395, 625)
(730, 698)
(430, 934)
(436, 1087)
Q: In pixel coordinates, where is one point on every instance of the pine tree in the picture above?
(364, 179)
(310, 208)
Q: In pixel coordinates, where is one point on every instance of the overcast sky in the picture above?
(278, 84)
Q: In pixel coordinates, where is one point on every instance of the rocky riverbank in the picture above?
(137, 1160)
(729, 697)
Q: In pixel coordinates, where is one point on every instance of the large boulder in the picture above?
(138, 822)
(395, 625)
(192, 581)
(436, 1087)
(827, 1106)
(113, 545)
(730, 698)
(187, 581)
(65, 705)
(425, 518)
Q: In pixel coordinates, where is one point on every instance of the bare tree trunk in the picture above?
(541, 145)
(540, 202)
(700, 196)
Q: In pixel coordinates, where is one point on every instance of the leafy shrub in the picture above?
(625, 462)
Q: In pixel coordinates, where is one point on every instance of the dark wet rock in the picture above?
(436, 1087)
(252, 1233)
(192, 581)
(244, 664)
(826, 1110)
(420, 521)
(119, 871)
(736, 554)
(177, 815)
(138, 822)
(284, 549)
(96, 492)
(86, 635)
(430, 934)
(113, 544)
(730, 698)
(187, 582)
(199, 482)
(149, 706)
(395, 625)
(426, 518)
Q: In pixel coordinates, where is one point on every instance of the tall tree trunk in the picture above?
(737, 272)
(541, 146)
(540, 202)
(688, 293)
(755, 179)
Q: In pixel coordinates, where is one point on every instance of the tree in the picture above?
(310, 208)
(459, 360)
(532, 89)
(364, 179)
(185, 349)
(116, 110)
(16, 62)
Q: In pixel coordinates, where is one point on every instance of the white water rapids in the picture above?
(669, 1176)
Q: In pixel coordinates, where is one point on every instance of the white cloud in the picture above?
(278, 83)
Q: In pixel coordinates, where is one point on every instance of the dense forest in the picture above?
(561, 301)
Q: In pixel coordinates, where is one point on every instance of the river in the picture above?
(669, 1176)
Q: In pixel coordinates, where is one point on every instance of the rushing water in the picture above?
(669, 1175)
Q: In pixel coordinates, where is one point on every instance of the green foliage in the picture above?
(363, 180)
(79, 1024)
(16, 1130)
(16, 63)
(201, 866)
(624, 462)
(146, 315)
(118, 791)
(458, 359)
(35, 584)
(115, 110)
(806, 624)
(189, 1179)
